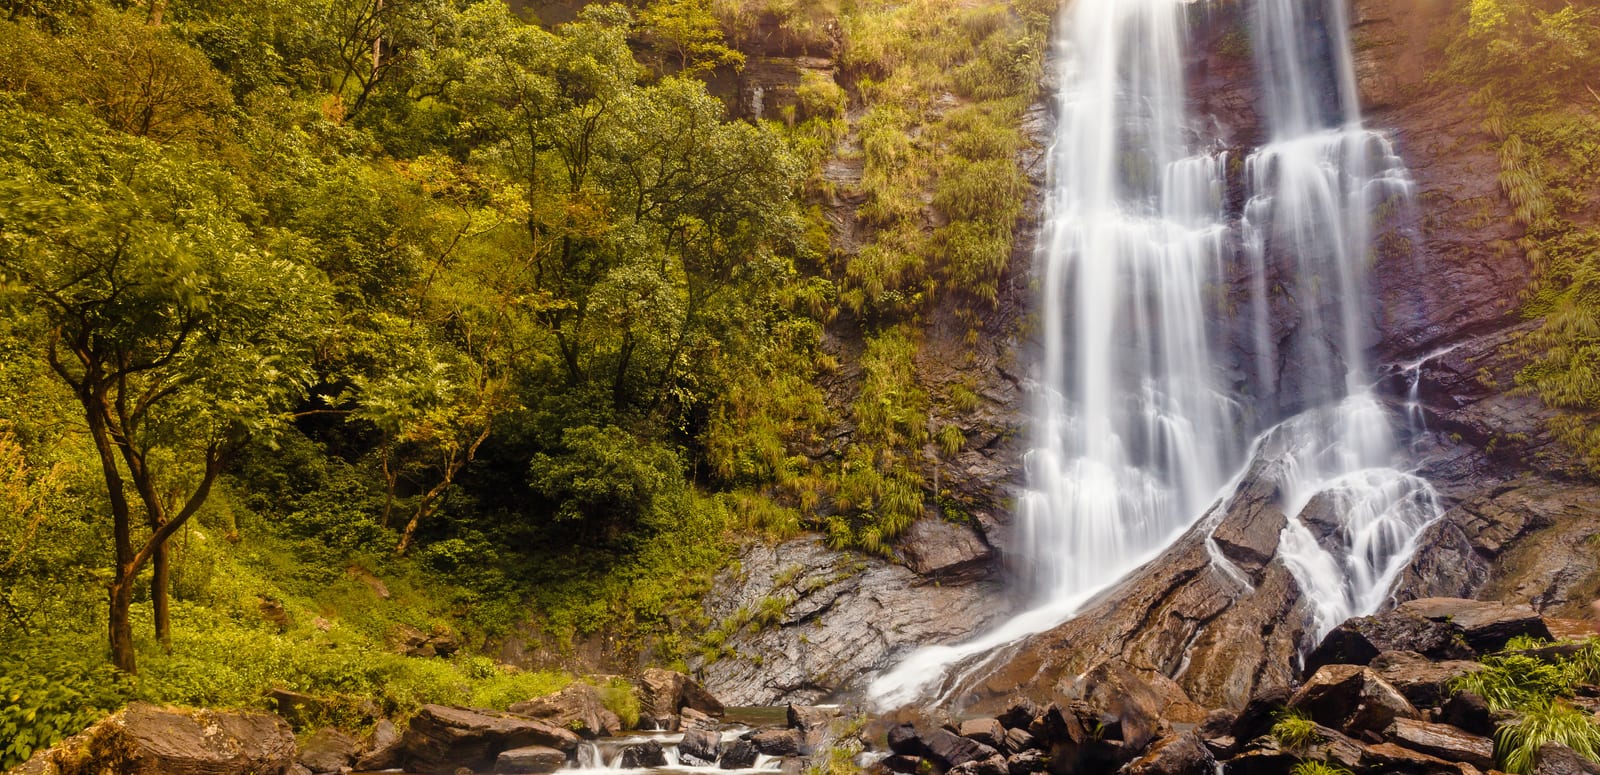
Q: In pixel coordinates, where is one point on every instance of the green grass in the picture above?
(1545, 721)
(1512, 680)
(1295, 730)
(1318, 768)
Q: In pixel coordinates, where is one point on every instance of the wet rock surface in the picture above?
(145, 739)
(441, 739)
(844, 617)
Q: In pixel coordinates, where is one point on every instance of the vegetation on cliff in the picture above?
(331, 321)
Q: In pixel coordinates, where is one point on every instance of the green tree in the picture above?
(178, 330)
(685, 34)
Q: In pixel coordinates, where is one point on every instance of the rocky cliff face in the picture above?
(1219, 612)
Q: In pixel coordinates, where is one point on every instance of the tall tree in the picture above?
(178, 331)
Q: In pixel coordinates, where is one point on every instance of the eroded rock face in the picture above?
(845, 617)
(1352, 699)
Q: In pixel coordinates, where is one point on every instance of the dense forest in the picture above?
(332, 323)
(331, 320)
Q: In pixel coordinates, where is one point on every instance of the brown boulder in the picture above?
(1352, 699)
(1359, 640)
(1557, 759)
(1443, 741)
(778, 742)
(148, 740)
(937, 549)
(1178, 754)
(700, 748)
(535, 759)
(948, 749)
(1486, 626)
(988, 731)
(577, 707)
(383, 749)
(662, 693)
(441, 738)
(1424, 682)
(328, 750)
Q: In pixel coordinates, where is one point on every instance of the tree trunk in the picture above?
(120, 624)
(161, 574)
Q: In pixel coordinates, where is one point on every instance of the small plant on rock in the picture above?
(1295, 730)
(1318, 768)
(1513, 680)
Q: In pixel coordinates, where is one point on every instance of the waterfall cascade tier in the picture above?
(1148, 409)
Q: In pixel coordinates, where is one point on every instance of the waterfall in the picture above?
(1141, 420)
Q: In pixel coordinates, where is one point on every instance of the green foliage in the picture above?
(619, 697)
(1513, 680)
(1317, 768)
(1295, 730)
(48, 695)
(1545, 721)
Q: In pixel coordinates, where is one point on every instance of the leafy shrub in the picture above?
(47, 694)
(1512, 680)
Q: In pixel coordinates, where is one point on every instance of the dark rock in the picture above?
(1056, 725)
(903, 740)
(577, 707)
(1020, 712)
(1027, 762)
(948, 749)
(1265, 756)
(1424, 682)
(988, 731)
(1469, 712)
(1557, 759)
(901, 763)
(383, 749)
(1360, 640)
(530, 759)
(296, 769)
(1443, 741)
(700, 747)
(1259, 714)
(147, 740)
(940, 550)
(1486, 626)
(644, 755)
(441, 738)
(776, 742)
(1352, 699)
(1129, 707)
(740, 755)
(1177, 754)
(300, 710)
(1019, 740)
(328, 750)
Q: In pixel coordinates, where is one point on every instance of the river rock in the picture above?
(442, 738)
(1020, 712)
(328, 750)
(903, 739)
(1443, 741)
(1424, 682)
(739, 755)
(578, 707)
(689, 718)
(700, 747)
(383, 749)
(145, 739)
(988, 731)
(948, 749)
(813, 723)
(901, 763)
(1177, 754)
(644, 755)
(1486, 626)
(1352, 699)
(662, 693)
(1557, 759)
(777, 742)
(530, 759)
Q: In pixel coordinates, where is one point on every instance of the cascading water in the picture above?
(1139, 422)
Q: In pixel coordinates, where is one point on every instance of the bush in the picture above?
(1295, 730)
(1546, 721)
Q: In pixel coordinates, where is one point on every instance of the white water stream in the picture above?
(1140, 423)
